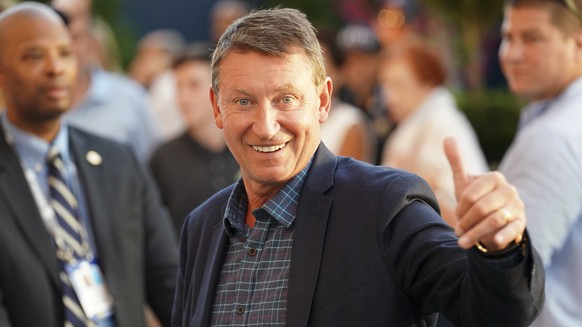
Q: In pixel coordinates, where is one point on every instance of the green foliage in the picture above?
(124, 36)
(470, 21)
(319, 12)
(107, 8)
(494, 115)
(463, 12)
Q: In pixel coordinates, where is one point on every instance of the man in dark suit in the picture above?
(49, 275)
(306, 238)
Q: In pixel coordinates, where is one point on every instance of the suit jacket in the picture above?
(369, 249)
(133, 237)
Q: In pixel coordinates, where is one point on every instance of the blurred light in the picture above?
(391, 18)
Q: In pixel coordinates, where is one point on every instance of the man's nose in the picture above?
(54, 64)
(513, 51)
(265, 124)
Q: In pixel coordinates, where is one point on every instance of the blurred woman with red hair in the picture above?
(412, 78)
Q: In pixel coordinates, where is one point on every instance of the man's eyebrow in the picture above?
(531, 30)
(286, 88)
(242, 91)
(30, 47)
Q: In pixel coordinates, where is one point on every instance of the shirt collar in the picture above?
(533, 111)
(282, 207)
(538, 108)
(574, 88)
(31, 149)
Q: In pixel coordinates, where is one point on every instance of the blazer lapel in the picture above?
(212, 273)
(308, 238)
(91, 179)
(19, 199)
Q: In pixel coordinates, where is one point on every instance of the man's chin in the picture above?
(50, 114)
(522, 92)
(528, 95)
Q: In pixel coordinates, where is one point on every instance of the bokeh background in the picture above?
(467, 31)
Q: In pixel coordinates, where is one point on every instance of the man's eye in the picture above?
(244, 102)
(531, 39)
(32, 56)
(66, 53)
(287, 100)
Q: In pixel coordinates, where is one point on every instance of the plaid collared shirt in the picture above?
(253, 282)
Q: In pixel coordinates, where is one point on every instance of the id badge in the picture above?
(87, 282)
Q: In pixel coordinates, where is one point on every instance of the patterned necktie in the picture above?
(68, 236)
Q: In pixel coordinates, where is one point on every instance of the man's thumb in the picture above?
(460, 177)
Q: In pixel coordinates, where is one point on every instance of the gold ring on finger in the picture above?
(505, 214)
(518, 239)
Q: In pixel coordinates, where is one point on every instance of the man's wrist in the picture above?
(519, 243)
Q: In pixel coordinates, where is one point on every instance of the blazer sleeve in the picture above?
(4, 321)
(469, 288)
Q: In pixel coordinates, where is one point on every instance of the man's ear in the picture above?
(325, 99)
(216, 108)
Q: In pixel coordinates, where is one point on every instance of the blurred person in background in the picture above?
(4, 4)
(347, 130)
(361, 56)
(109, 54)
(152, 67)
(197, 164)
(361, 52)
(412, 77)
(106, 103)
(84, 239)
(223, 13)
(541, 57)
(155, 53)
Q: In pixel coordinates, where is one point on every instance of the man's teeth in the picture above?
(271, 148)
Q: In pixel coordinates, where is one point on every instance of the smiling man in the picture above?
(541, 56)
(306, 238)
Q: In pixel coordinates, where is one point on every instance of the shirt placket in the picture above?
(250, 260)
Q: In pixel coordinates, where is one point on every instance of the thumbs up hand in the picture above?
(490, 213)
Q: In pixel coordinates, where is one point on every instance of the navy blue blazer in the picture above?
(133, 236)
(369, 249)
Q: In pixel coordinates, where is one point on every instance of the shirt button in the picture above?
(240, 310)
(252, 252)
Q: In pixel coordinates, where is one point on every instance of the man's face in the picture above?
(193, 79)
(359, 72)
(85, 44)
(79, 14)
(270, 110)
(37, 70)
(537, 59)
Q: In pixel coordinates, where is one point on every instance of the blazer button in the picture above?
(240, 310)
(252, 252)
